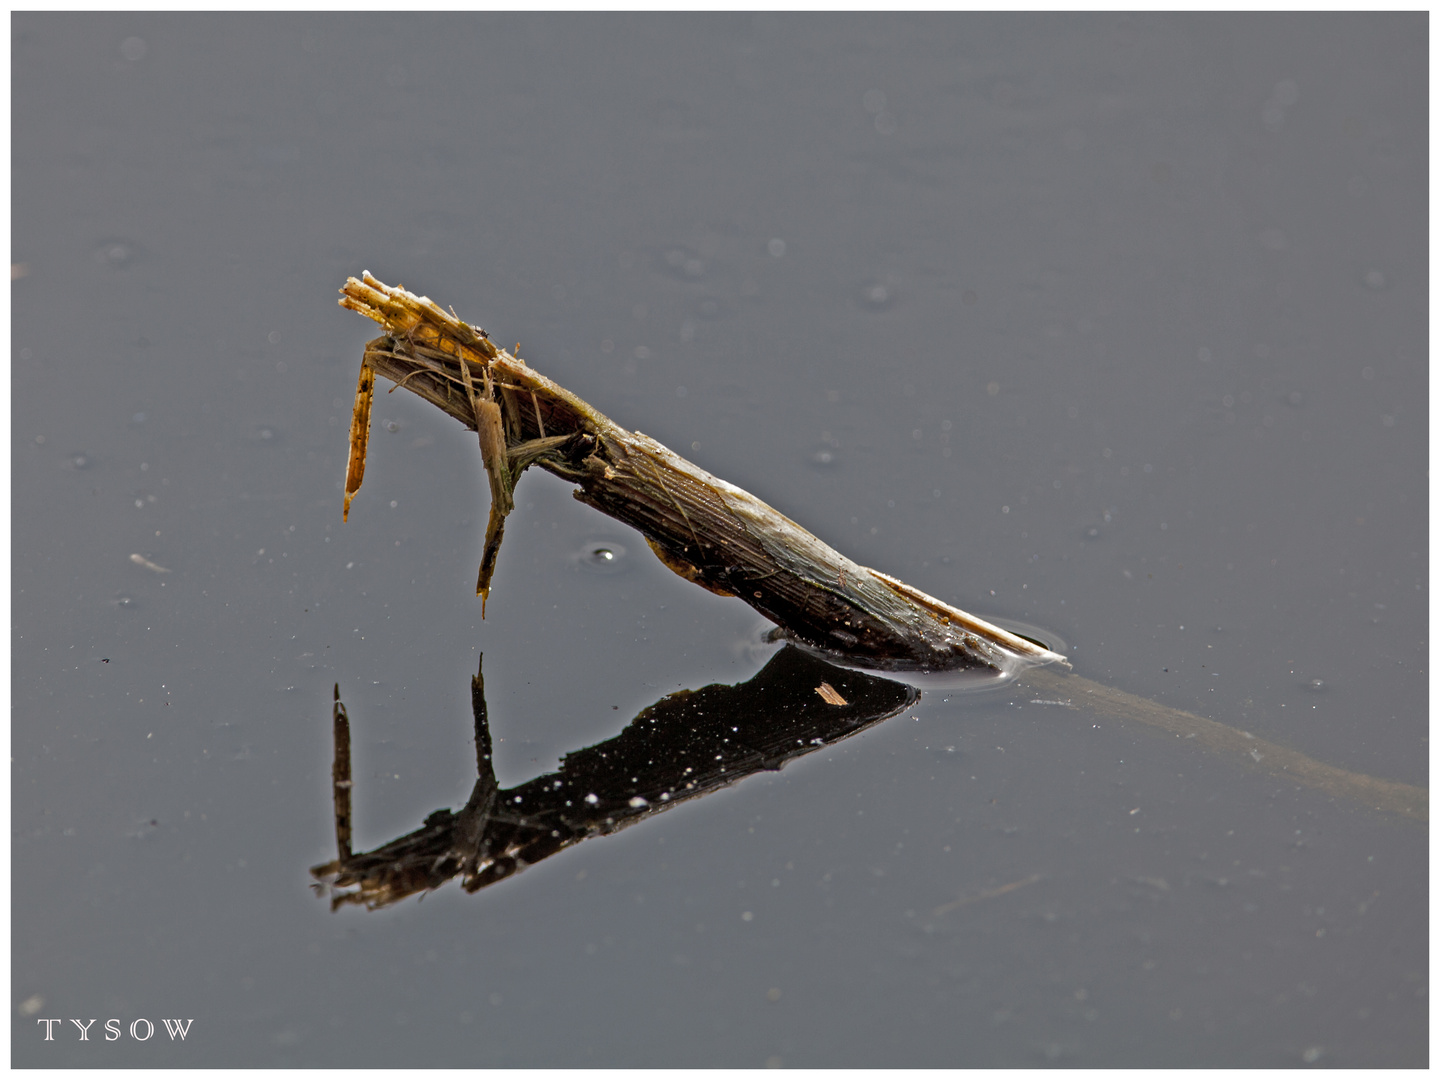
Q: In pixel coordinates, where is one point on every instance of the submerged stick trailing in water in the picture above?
(726, 540)
(706, 530)
(1389, 796)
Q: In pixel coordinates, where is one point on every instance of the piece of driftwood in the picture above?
(726, 540)
(706, 530)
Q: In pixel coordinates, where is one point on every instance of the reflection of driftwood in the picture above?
(688, 744)
(708, 531)
(696, 742)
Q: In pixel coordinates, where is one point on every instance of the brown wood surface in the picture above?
(706, 530)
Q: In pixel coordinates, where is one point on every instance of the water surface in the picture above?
(1115, 326)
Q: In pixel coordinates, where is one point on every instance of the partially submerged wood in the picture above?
(729, 542)
(706, 530)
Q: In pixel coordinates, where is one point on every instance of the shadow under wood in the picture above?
(688, 744)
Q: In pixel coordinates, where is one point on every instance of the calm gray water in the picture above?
(1115, 326)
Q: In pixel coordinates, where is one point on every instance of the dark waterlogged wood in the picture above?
(706, 530)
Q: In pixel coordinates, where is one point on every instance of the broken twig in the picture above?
(706, 530)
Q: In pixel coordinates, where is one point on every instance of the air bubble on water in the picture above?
(601, 557)
(113, 253)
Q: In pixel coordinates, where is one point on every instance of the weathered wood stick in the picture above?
(726, 540)
(706, 530)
